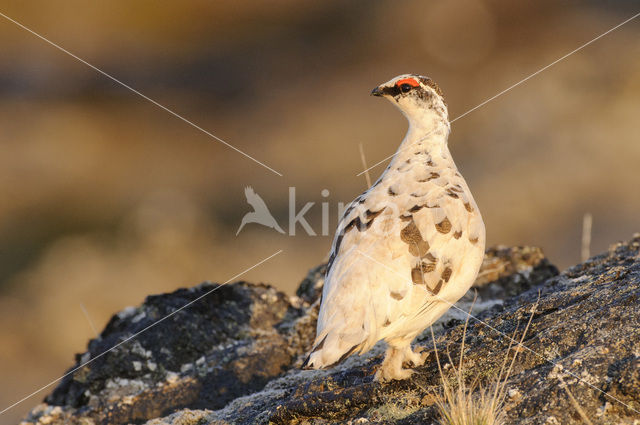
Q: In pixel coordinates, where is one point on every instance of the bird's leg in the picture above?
(391, 367)
(415, 357)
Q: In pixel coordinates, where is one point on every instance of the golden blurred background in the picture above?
(107, 198)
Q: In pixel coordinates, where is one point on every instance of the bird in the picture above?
(406, 249)
(260, 213)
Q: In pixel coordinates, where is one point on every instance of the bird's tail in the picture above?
(330, 351)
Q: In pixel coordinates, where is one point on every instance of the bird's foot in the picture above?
(389, 374)
(391, 367)
(415, 357)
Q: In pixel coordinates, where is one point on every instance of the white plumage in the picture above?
(404, 250)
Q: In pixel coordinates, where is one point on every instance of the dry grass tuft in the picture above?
(475, 404)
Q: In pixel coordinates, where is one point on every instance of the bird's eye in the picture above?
(405, 88)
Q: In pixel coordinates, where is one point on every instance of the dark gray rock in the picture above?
(225, 345)
(233, 356)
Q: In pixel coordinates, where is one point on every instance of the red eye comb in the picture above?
(410, 81)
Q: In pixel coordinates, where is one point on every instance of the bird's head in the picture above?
(418, 98)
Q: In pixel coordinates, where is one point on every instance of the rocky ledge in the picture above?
(233, 356)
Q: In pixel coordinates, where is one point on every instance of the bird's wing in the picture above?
(344, 322)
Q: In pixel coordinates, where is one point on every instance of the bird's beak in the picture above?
(377, 92)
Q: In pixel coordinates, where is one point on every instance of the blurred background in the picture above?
(105, 198)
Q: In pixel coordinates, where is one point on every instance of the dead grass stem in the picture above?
(461, 404)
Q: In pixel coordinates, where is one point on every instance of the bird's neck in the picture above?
(425, 138)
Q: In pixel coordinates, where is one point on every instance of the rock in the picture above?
(225, 345)
(508, 271)
(233, 356)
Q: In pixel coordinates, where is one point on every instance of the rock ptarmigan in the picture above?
(406, 249)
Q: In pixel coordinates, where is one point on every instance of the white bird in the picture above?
(406, 249)
(260, 213)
